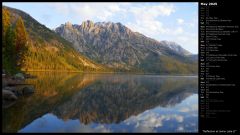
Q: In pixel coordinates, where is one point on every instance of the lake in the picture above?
(73, 102)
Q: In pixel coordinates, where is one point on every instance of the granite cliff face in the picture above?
(117, 47)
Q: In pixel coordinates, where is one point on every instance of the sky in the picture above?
(177, 22)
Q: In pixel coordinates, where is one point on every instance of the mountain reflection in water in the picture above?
(71, 102)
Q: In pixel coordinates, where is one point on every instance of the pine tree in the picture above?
(21, 42)
(5, 26)
(14, 43)
(9, 57)
(8, 43)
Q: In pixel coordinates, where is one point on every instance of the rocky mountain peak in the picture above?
(68, 25)
(114, 27)
(87, 24)
(175, 47)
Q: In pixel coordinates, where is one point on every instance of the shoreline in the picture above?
(82, 72)
(14, 87)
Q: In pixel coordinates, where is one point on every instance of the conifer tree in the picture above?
(9, 56)
(21, 41)
(8, 43)
(5, 25)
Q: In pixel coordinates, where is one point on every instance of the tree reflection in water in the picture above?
(97, 98)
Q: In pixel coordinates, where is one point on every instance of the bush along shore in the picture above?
(14, 86)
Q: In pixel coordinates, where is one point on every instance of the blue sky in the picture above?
(176, 22)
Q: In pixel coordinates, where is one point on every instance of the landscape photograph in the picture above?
(113, 67)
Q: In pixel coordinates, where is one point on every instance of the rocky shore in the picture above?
(13, 87)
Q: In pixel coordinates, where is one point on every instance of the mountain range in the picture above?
(102, 46)
(118, 47)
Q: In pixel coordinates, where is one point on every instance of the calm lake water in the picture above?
(72, 102)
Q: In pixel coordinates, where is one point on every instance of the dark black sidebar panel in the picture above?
(219, 67)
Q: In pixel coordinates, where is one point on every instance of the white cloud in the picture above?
(180, 128)
(178, 31)
(148, 122)
(150, 28)
(88, 11)
(184, 109)
(180, 21)
(194, 107)
(152, 12)
(179, 118)
(90, 129)
(146, 19)
(114, 8)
